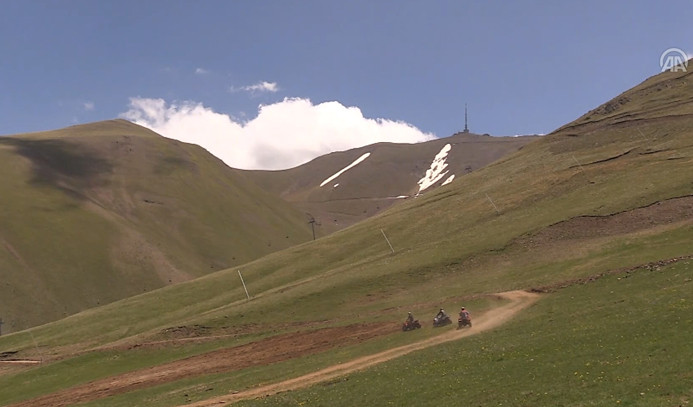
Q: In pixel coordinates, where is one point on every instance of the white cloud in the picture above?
(201, 71)
(89, 106)
(259, 87)
(283, 135)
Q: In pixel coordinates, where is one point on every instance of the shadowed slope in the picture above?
(98, 212)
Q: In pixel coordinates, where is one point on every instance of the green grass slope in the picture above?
(619, 341)
(598, 216)
(99, 212)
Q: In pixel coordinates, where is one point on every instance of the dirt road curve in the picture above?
(273, 350)
(491, 319)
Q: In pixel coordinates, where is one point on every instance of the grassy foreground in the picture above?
(624, 340)
(620, 340)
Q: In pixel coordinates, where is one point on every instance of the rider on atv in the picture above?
(465, 317)
(441, 318)
(410, 323)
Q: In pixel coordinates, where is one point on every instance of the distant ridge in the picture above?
(392, 172)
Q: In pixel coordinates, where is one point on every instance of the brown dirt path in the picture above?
(263, 352)
(272, 350)
(519, 300)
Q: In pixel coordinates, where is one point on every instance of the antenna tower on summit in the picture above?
(466, 129)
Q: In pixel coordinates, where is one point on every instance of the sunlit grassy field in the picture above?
(624, 339)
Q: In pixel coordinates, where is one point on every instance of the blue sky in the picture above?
(523, 67)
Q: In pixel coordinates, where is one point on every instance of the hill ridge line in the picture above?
(652, 265)
(621, 121)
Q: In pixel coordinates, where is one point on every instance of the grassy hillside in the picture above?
(596, 216)
(617, 341)
(100, 212)
(388, 175)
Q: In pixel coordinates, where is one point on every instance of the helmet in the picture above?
(462, 308)
(409, 313)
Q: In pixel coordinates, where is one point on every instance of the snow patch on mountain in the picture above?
(343, 170)
(437, 170)
(449, 180)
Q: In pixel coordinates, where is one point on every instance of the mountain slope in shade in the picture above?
(98, 212)
(342, 188)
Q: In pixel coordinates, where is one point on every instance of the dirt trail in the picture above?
(273, 350)
(20, 362)
(263, 352)
(489, 320)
